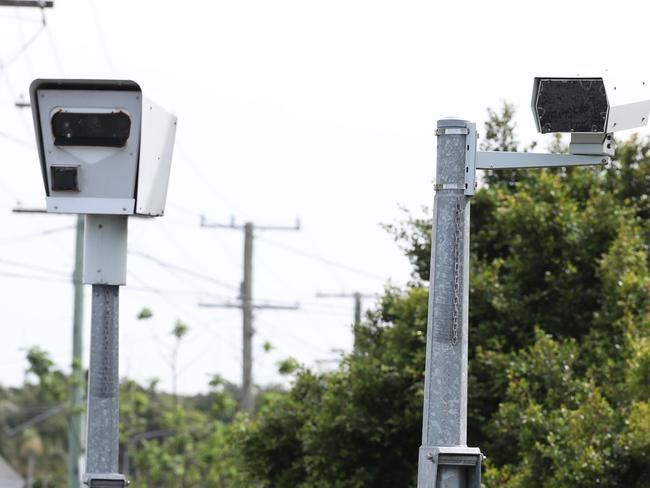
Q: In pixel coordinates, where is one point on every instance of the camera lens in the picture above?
(91, 129)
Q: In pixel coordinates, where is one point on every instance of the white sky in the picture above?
(318, 110)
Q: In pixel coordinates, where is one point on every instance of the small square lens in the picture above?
(64, 178)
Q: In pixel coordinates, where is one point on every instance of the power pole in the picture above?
(247, 305)
(75, 439)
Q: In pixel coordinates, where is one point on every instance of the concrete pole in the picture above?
(248, 403)
(445, 387)
(357, 309)
(103, 382)
(75, 431)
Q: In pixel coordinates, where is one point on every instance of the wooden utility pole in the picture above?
(247, 305)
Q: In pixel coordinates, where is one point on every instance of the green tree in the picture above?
(559, 315)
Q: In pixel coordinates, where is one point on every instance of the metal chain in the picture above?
(458, 253)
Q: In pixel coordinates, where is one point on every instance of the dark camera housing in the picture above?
(571, 105)
(91, 129)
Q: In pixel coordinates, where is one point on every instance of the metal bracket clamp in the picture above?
(105, 480)
(447, 186)
(597, 144)
(457, 131)
(469, 458)
(470, 159)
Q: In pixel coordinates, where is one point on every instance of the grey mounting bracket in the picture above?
(105, 245)
(598, 144)
(105, 480)
(466, 458)
(586, 149)
(470, 159)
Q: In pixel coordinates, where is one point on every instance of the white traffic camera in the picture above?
(590, 108)
(103, 148)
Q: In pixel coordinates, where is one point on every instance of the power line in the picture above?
(23, 48)
(183, 312)
(189, 272)
(41, 233)
(33, 277)
(28, 61)
(100, 35)
(17, 140)
(35, 267)
(41, 417)
(327, 261)
(55, 52)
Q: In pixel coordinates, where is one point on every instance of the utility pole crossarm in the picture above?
(233, 225)
(220, 305)
(260, 306)
(28, 210)
(271, 306)
(27, 3)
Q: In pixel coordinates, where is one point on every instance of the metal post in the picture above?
(445, 387)
(103, 382)
(105, 243)
(75, 433)
(248, 404)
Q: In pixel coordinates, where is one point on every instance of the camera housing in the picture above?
(589, 104)
(103, 147)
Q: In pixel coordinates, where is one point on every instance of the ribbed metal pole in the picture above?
(103, 382)
(445, 390)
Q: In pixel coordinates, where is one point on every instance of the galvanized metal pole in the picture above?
(445, 388)
(75, 431)
(248, 404)
(103, 382)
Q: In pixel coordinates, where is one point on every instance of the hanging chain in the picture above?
(458, 254)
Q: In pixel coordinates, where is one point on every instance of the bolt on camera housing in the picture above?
(590, 109)
(103, 148)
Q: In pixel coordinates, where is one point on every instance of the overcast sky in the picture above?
(319, 110)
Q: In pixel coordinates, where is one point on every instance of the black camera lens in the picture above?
(91, 129)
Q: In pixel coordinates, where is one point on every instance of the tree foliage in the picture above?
(559, 368)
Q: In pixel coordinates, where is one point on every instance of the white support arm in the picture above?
(513, 160)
